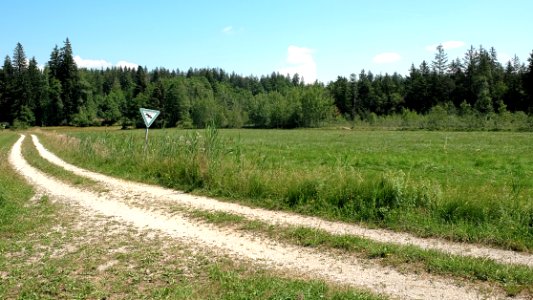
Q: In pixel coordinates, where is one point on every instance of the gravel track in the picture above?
(157, 194)
(306, 262)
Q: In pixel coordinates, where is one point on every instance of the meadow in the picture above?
(49, 251)
(465, 186)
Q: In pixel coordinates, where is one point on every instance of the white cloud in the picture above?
(101, 63)
(91, 63)
(228, 30)
(126, 64)
(387, 58)
(39, 66)
(300, 60)
(446, 45)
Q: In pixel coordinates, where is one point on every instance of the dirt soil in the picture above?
(141, 206)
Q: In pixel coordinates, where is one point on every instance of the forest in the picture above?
(477, 88)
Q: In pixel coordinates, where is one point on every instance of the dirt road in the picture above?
(118, 203)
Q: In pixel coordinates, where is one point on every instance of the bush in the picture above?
(17, 124)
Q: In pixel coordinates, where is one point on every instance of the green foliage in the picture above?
(61, 94)
(484, 101)
(110, 107)
(308, 106)
(83, 118)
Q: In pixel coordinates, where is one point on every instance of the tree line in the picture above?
(61, 93)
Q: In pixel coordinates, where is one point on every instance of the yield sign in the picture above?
(149, 116)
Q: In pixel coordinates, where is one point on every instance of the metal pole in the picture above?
(146, 140)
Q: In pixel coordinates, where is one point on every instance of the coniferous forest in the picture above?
(461, 93)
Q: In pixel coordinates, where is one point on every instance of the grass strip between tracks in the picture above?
(512, 278)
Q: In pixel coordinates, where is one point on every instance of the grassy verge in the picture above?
(513, 279)
(18, 217)
(31, 154)
(471, 187)
(49, 251)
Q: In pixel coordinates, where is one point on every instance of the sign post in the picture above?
(149, 116)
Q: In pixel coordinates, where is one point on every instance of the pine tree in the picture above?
(21, 107)
(339, 89)
(484, 101)
(141, 81)
(470, 62)
(110, 108)
(458, 94)
(69, 78)
(62, 70)
(440, 64)
(54, 63)
(352, 97)
(177, 104)
(528, 84)
(440, 81)
(20, 62)
(6, 91)
(36, 92)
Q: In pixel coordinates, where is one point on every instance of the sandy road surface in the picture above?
(155, 193)
(308, 262)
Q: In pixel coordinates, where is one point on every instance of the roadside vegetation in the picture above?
(472, 187)
(31, 154)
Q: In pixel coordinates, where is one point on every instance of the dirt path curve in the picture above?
(155, 193)
(308, 262)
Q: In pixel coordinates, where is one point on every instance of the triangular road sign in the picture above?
(149, 116)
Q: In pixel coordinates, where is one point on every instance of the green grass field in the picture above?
(47, 253)
(467, 186)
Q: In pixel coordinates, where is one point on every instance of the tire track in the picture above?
(156, 193)
(344, 270)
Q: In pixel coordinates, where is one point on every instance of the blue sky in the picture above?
(317, 38)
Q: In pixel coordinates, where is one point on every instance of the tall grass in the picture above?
(473, 187)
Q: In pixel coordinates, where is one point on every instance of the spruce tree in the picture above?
(36, 93)
(21, 106)
(141, 81)
(68, 76)
(54, 62)
(528, 84)
(484, 101)
(440, 64)
(20, 62)
(6, 92)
